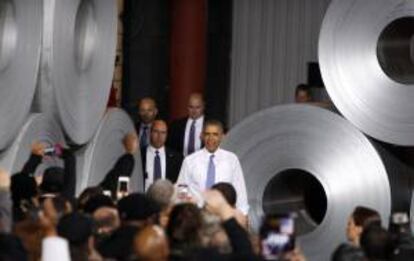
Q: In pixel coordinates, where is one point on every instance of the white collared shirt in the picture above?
(227, 168)
(149, 167)
(197, 138)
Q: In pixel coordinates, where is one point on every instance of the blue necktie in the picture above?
(157, 166)
(144, 137)
(191, 139)
(211, 173)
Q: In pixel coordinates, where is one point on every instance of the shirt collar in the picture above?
(160, 150)
(143, 125)
(205, 151)
(198, 121)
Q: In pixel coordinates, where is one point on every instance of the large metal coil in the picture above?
(99, 156)
(307, 160)
(78, 54)
(20, 40)
(39, 128)
(366, 59)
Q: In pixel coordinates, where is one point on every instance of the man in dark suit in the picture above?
(159, 161)
(184, 135)
(147, 111)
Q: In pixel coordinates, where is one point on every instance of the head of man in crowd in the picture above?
(361, 218)
(147, 110)
(212, 135)
(195, 106)
(159, 131)
(302, 94)
(162, 191)
(151, 244)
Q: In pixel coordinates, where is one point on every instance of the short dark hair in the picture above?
(302, 87)
(365, 217)
(228, 192)
(213, 122)
(184, 227)
(376, 243)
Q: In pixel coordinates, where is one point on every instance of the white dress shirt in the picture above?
(227, 168)
(198, 129)
(149, 166)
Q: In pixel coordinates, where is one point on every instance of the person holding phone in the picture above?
(54, 181)
(123, 167)
(277, 236)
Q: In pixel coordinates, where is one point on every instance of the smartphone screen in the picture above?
(182, 192)
(49, 151)
(123, 187)
(277, 236)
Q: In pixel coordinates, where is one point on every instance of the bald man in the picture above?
(159, 161)
(151, 244)
(184, 135)
(147, 112)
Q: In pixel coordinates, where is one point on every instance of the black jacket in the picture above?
(123, 167)
(172, 165)
(176, 134)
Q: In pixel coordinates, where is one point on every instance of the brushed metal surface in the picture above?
(78, 54)
(365, 55)
(96, 158)
(20, 41)
(326, 148)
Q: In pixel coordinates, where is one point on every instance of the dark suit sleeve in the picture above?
(175, 139)
(238, 237)
(174, 161)
(31, 165)
(123, 167)
(69, 177)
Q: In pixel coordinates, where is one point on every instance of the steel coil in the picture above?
(303, 159)
(78, 53)
(40, 128)
(366, 59)
(96, 159)
(20, 40)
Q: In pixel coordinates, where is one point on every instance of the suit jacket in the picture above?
(172, 165)
(176, 134)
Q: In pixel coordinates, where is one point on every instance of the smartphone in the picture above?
(182, 192)
(123, 187)
(49, 151)
(277, 236)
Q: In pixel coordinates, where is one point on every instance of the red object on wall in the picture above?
(112, 101)
(188, 53)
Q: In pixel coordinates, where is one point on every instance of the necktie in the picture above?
(144, 137)
(157, 166)
(211, 173)
(191, 139)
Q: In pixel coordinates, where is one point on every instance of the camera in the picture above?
(277, 236)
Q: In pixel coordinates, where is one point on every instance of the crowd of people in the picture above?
(193, 205)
